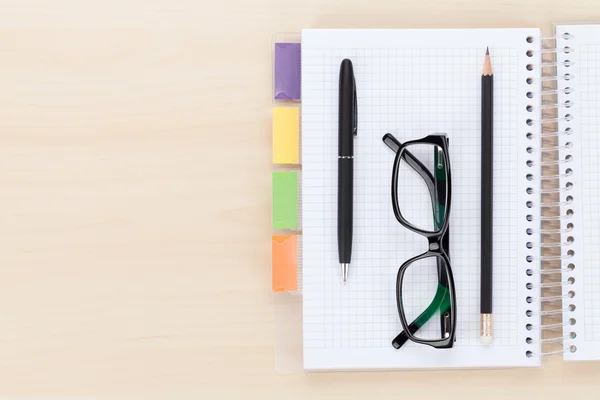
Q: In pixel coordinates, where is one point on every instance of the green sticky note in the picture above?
(285, 200)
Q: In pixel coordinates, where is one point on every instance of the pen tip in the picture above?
(344, 273)
(487, 51)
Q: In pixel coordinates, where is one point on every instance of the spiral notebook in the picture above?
(578, 87)
(413, 83)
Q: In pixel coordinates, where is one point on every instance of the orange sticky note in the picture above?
(285, 263)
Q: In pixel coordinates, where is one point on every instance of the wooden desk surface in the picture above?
(135, 201)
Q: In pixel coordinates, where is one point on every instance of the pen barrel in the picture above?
(345, 136)
(345, 196)
(487, 163)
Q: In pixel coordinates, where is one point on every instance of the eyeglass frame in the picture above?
(438, 242)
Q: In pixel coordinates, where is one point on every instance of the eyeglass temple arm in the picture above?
(439, 203)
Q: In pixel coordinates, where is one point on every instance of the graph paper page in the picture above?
(585, 191)
(412, 83)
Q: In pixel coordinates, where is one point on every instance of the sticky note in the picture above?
(286, 85)
(286, 133)
(284, 262)
(285, 200)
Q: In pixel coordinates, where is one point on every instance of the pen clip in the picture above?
(355, 110)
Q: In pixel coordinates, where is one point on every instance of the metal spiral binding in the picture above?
(554, 303)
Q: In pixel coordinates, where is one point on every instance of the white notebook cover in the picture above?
(413, 83)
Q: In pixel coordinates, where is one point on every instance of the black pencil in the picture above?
(487, 162)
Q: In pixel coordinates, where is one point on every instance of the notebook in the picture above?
(412, 83)
(579, 60)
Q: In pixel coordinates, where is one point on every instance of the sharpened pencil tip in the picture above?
(487, 64)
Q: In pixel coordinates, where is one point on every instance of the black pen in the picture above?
(347, 124)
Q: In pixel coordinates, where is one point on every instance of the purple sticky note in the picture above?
(287, 71)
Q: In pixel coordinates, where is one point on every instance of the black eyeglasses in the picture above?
(421, 198)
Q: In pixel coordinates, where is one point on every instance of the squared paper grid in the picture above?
(590, 140)
(410, 92)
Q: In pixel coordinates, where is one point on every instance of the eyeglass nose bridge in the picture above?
(435, 243)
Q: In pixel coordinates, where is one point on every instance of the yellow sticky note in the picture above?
(286, 133)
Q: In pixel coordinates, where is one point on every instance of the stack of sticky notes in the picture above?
(286, 155)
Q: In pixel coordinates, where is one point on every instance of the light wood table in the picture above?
(135, 199)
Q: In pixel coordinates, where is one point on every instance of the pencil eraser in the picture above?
(286, 85)
(485, 339)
